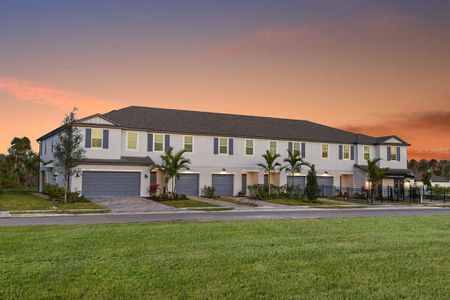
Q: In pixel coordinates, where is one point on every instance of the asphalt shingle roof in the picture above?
(206, 123)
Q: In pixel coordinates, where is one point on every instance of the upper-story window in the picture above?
(97, 138)
(346, 152)
(366, 152)
(393, 153)
(273, 147)
(51, 149)
(188, 141)
(249, 147)
(158, 142)
(45, 147)
(296, 147)
(223, 146)
(325, 151)
(132, 140)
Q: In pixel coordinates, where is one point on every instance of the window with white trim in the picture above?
(97, 138)
(188, 142)
(296, 147)
(394, 153)
(249, 147)
(223, 146)
(158, 142)
(132, 140)
(346, 152)
(273, 145)
(366, 152)
(324, 150)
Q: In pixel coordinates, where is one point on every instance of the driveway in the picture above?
(131, 204)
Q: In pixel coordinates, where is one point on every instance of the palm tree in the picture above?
(172, 165)
(294, 163)
(271, 165)
(375, 175)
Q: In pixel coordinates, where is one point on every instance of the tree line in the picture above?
(19, 167)
(432, 166)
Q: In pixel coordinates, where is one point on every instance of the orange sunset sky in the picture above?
(374, 67)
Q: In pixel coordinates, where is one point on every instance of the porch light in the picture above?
(145, 176)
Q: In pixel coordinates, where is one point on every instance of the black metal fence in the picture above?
(412, 194)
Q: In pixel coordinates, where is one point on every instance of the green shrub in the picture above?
(208, 191)
(55, 192)
(74, 197)
(438, 193)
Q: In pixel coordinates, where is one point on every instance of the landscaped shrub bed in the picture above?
(261, 192)
(56, 193)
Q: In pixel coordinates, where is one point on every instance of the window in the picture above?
(51, 149)
(132, 140)
(158, 142)
(45, 147)
(273, 147)
(223, 146)
(188, 143)
(249, 148)
(296, 148)
(394, 153)
(324, 150)
(97, 138)
(346, 152)
(366, 152)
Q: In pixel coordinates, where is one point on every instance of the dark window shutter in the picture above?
(216, 146)
(230, 146)
(389, 153)
(290, 146)
(340, 151)
(398, 153)
(105, 138)
(303, 150)
(150, 142)
(166, 142)
(352, 152)
(87, 140)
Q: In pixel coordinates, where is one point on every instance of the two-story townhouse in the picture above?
(224, 149)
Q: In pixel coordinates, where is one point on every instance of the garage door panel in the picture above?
(98, 184)
(297, 180)
(188, 184)
(223, 184)
(326, 185)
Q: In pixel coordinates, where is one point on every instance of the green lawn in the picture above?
(11, 200)
(187, 203)
(365, 258)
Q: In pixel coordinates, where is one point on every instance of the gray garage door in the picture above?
(326, 185)
(223, 184)
(97, 184)
(297, 180)
(187, 184)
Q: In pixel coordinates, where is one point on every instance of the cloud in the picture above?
(428, 132)
(262, 39)
(427, 121)
(36, 93)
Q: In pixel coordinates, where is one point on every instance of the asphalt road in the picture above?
(224, 215)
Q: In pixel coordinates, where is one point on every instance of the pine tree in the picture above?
(312, 187)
